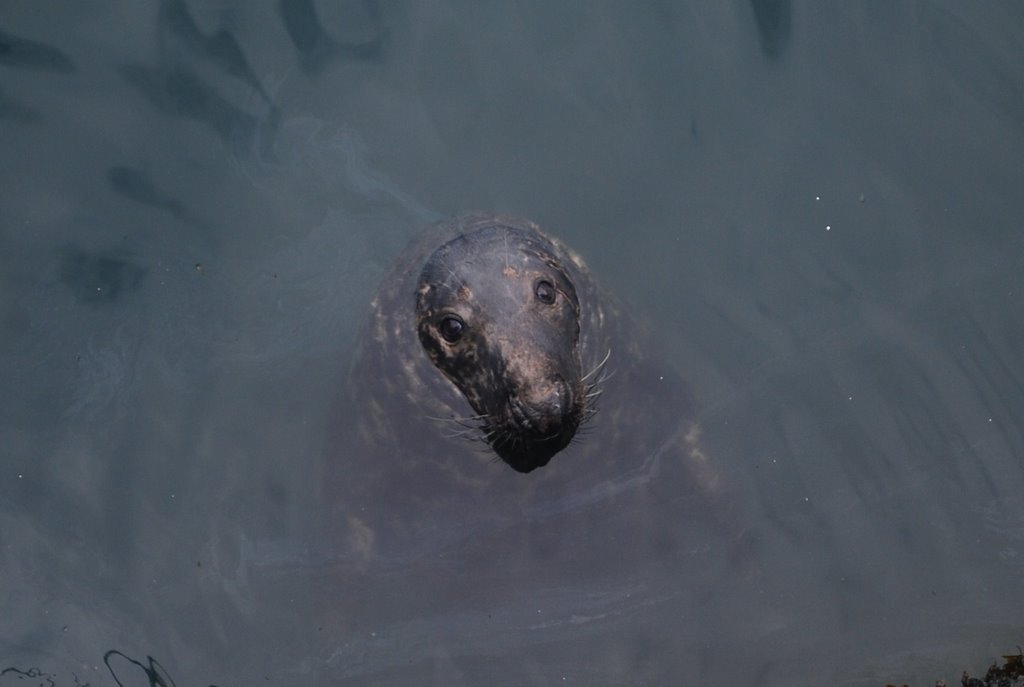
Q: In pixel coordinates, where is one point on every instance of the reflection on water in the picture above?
(813, 211)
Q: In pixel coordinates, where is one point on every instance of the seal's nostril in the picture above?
(543, 408)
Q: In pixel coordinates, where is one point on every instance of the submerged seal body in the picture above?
(490, 340)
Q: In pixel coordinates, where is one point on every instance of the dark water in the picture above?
(817, 207)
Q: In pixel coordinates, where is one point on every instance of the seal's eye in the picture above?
(451, 328)
(545, 292)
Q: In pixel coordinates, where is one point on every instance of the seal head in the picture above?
(498, 314)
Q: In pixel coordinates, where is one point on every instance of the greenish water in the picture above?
(814, 207)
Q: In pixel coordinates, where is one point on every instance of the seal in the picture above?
(489, 341)
(510, 457)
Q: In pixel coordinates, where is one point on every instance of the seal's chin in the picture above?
(525, 454)
(538, 423)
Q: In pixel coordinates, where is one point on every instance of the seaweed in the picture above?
(1010, 674)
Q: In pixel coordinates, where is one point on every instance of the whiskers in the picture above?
(597, 368)
(470, 427)
(594, 382)
(477, 430)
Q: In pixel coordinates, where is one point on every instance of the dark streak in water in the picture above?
(221, 48)
(99, 278)
(173, 84)
(22, 53)
(136, 185)
(179, 92)
(773, 19)
(315, 46)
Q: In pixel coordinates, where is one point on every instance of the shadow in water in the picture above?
(773, 18)
(22, 53)
(97, 278)
(316, 47)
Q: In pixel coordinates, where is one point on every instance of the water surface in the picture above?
(816, 209)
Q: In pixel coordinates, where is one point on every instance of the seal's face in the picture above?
(499, 316)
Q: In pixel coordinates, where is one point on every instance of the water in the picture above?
(815, 209)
